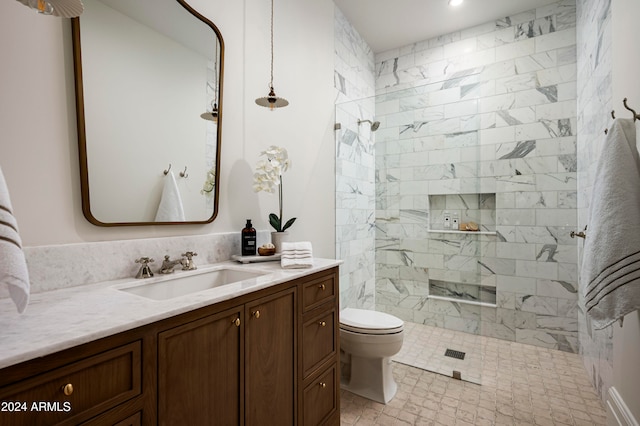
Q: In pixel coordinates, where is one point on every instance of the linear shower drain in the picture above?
(454, 354)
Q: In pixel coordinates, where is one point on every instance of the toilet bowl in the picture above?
(370, 339)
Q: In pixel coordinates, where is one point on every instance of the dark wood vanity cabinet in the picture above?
(98, 383)
(199, 371)
(270, 357)
(231, 366)
(319, 371)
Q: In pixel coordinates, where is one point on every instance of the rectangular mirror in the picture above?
(147, 71)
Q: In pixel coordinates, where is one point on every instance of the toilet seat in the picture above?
(369, 322)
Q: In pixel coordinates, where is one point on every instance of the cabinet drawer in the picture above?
(318, 291)
(319, 340)
(320, 398)
(77, 391)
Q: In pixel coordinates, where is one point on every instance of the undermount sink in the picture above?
(178, 285)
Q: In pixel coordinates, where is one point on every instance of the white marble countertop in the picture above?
(60, 319)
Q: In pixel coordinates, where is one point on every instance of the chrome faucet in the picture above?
(145, 269)
(168, 265)
(187, 261)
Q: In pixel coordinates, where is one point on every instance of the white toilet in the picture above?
(370, 339)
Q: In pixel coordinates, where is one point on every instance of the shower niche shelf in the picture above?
(448, 211)
(442, 231)
(473, 294)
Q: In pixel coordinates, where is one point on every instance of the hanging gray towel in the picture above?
(611, 261)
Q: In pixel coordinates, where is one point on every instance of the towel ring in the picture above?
(184, 173)
(166, 172)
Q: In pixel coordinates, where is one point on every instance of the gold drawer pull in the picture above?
(322, 287)
(67, 389)
(323, 323)
(237, 322)
(323, 385)
(256, 314)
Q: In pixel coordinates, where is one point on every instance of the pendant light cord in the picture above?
(215, 75)
(271, 83)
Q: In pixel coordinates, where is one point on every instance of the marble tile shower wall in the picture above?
(355, 165)
(595, 90)
(487, 110)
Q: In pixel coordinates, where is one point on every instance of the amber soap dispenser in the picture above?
(249, 239)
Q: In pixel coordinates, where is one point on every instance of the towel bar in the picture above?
(580, 234)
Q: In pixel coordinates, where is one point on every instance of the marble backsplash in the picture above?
(70, 265)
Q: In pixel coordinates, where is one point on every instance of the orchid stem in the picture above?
(280, 202)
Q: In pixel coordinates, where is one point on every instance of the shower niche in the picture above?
(463, 213)
(463, 228)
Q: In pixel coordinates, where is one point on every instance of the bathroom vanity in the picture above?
(258, 352)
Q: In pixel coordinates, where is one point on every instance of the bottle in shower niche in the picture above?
(249, 239)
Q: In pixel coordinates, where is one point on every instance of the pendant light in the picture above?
(272, 101)
(213, 114)
(61, 8)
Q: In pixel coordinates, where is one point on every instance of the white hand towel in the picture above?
(13, 265)
(170, 208)
(296, 255)
(611, 261)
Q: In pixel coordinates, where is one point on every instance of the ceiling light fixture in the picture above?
(455, 2)
(213, 114)
(61, 8)
(272, 101)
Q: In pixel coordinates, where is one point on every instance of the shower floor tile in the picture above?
(425, 347)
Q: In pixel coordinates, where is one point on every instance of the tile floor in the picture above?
(521, 385)
(424, 347)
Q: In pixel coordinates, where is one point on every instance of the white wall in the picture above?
(626, 65)
(38, 141)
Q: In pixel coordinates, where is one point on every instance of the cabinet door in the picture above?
(199, 372)
(270, 360)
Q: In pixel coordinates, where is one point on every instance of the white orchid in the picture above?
(268, 175)
(209, 182)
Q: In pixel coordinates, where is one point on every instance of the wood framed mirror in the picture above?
(145, 72)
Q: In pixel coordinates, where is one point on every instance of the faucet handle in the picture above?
(187, 261)
(145, 269)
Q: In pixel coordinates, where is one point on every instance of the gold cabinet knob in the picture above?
(323, 323)
(322, 385)
(237, 322)
(322, 287)
(67, 389)
(256, 314)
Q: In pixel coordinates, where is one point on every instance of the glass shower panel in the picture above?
(432, 219)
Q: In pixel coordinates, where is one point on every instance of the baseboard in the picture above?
(618, 414)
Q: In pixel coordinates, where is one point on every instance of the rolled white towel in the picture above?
(13, 267)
